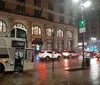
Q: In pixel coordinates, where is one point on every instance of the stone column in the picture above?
(44, 37)
(29, 34)
(75, 38)
(65, 40)
(10, 25)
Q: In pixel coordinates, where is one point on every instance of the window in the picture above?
(50, 5)
(21, 0)
(3, 27)
(2, 4)
(61, 9)
(21, 33)
(61, 19)
(20, 30)
(59, 33)
(36, 13)
(69, 34)
(49, 31)
(61, 1)
(70, 21)
(50, 17)
(37, 2)
(20, 9)
(36, 30)
(19, 25)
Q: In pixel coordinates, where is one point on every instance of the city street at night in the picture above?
(42, 74)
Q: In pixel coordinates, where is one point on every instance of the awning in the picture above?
(37, 41)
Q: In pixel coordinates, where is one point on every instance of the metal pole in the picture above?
(53, 50)
(82, 14)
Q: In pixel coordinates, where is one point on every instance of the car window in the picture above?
(72, 52)
(49, 52)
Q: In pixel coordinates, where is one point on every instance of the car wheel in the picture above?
(59, 57)
(47, 58)
(1, 68)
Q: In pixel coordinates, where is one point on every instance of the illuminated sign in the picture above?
(18, 43)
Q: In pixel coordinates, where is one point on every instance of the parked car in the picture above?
(65, 54)
(70, 54)
(74, 54)
(49, 55)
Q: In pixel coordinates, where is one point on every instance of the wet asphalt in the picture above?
(42, 74)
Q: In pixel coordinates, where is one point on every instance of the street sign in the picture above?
(82, 25)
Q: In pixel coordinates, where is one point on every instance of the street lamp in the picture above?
(82, 23)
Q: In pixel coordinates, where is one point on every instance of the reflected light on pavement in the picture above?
(95, 70)
(66, 64)
(42, 69)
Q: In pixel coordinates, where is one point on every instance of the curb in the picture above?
(77, 69)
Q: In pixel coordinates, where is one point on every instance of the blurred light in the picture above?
(75, 1)
(85, 43)
(93, 38)
(65, 63)
(87, 4)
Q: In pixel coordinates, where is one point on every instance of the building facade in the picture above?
(46, 20)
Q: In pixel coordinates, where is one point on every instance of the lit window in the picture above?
(19, 25)
(49, 31)
(69, 34)
(3, 27)
(59, 33)
(36, 30)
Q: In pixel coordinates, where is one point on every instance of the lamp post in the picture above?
(82, 24)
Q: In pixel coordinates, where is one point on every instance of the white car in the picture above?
(70, 54)
(65, 54)
(49, 55)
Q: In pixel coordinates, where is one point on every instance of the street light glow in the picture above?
(87, 4)
(76, 1)
(93, 38)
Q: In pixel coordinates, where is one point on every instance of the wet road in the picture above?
(43, 75)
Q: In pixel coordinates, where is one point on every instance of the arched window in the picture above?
(19, 31)
(19, 25)
(60, 33)
(49, 31)
(36, 30)
(3, 26)
(69, 34)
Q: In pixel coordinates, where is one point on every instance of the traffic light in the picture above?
(82, 24)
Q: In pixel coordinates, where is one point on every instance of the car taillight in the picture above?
(41, 51)
(64, 50)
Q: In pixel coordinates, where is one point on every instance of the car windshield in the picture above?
(72, 52)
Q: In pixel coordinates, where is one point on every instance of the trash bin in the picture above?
(87, 62)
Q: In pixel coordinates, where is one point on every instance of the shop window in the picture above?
(60, 33)
(3, 26)
(36, 30)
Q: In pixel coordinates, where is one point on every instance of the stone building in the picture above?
(50, 21)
